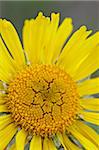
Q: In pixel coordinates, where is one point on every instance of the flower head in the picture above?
(44, 90)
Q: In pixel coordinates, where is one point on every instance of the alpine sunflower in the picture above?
(45, 92)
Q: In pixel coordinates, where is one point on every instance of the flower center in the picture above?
(43, 100)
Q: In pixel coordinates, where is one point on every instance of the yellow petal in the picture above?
(2, 100)
(12, 41)
(40, 38)
(5, 75)
(45, 144)
(62, 34)
(36, 143)
(87, 144)
(87, 132)
(6, 135)
(90, 117)
(48, 144)
(90, 104)
(20, 140)
(3, 108)
(89, 87)
(52, 33)
(34, 37)
(88, 66)
(77, 49)
(77, 36)
(59, 135)
(69, 144)
(8, 67)
(6, 58)
(72, 47)
(5, 120)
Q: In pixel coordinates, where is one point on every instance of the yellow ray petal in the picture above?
(20, 140)
(36, 143)
(48, 144)
(12, 41)
(89, 87)
(87, 132)
(70, 145)
(5, 120)
(6, 57)
(8, 67)
(2, 100)
(6, 135)
(79, 55)
(72, 46)
(34, 37)
(3, 108)
(88, 66)
(5, 76)
(59, 135)
(77, 36)
(62, 34)
(39, 38)
(76, 53)
(52, 33)
(87, 144)
(90, 117)
(90, 104)
(45, 144)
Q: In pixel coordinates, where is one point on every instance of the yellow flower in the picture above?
(45, 92)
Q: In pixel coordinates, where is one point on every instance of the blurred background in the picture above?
(82, 13)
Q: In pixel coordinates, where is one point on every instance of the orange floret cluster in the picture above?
(43, 99)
